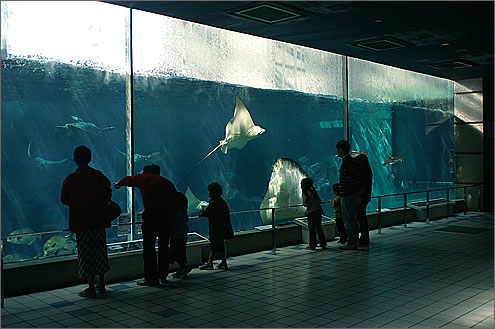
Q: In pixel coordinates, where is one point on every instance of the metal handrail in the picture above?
(268, 208)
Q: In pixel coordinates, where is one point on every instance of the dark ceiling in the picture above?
(464, 27)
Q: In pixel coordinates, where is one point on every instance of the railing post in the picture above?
(427, 207)
(405, 205)
(1, 255)
(379, 215)
(465, 200)
(479, 196)
(447, 198)
(274, 243)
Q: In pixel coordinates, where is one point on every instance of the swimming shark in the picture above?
(354, 153)
(79, 124)
(238, 132)
(40, 161)
(393, 160)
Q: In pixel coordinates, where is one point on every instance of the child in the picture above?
(219, 226)
(312, 201)
(337, 208)
(178, 239)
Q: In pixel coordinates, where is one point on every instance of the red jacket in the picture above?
(86, 191)
(155, 190)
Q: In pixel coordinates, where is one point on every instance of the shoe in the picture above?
(223, 266)
(348, 246)
(206, 266)
(341, 242)
(185, 272)
(323, 248)
(177, 274)
(101, 290)
(309, 248)
(89, 293)
(151, 283)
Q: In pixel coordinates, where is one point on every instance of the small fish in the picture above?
(393, 160)
(356, 153)
(156, 157)
(26, 239)
(59, 245)
(17, 257)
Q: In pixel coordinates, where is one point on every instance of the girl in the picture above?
(312, 201)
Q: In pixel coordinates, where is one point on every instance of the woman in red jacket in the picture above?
(87, 191)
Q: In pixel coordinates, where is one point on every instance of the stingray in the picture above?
(284, 189)
(153, 157)
(193, 203)
(40, 161)
(79, 124)
(238, 132)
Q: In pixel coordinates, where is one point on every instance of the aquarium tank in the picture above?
(205, 104)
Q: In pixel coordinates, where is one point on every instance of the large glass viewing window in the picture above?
(253, 114)
(408, 116)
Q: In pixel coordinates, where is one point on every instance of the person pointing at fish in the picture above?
(159, 200)
(86, 191)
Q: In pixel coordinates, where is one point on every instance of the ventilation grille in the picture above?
(381, 43)
(269, 13)
(452, 65)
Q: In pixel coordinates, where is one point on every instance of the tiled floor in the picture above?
(426, 275)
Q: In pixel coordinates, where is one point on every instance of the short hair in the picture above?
(152, 169)
(306, 183)
(182, 201)
(82, 155)
(215, 189)
(344, 145)
(335, 187)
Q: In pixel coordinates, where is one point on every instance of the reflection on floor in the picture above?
(426, 275)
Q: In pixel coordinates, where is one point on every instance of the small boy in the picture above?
(178, 239)
(219, 226)
(337, 208)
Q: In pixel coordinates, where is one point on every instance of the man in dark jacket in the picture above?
(366, 185)
(349, 188)
(86, 191)
(159, 195)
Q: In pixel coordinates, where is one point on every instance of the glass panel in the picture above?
(408, 116)
(62, 86)
(189, 78)
(469, 107)
(468, 137)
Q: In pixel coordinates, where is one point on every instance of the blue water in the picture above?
(185, 119)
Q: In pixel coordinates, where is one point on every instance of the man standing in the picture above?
(366, 184)
(349, 188)
(159, 195)
(86, 191)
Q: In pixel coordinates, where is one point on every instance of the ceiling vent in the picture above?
(266, 12)
(381, 43)
(452, 65)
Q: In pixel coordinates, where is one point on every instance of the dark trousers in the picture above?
(341, 229)
(314, 225)
(157, 223)
(363, 222)
(178, 251)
